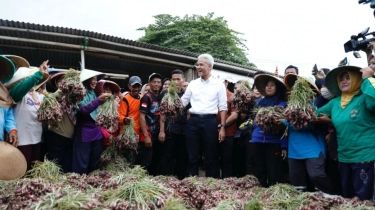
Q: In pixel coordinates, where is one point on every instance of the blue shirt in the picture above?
(258, 136)
(7, 121)
(305, 143)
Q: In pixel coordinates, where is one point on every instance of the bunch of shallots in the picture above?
(300, 111)
(72, 88)
(127, 139)
(50, 110)
(108, 114)
(171, 104)
(267, 118)
(243, 98)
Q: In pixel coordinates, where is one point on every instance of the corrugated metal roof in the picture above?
(119, 56)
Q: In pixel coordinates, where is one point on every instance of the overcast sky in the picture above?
(278, 33)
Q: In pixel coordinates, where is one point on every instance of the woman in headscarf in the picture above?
(165, 84)
(145, 89)
(269, 148)
(87, 143)
(352, 114)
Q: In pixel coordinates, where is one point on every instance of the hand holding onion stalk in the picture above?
(171, 104)
(300, 111)
(127, 139)
(108, 114)
(72, 88)
(268, 118)
(243, 98)
(50, 110)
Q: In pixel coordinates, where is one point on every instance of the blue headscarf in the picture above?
(273, 100)
(90, 96)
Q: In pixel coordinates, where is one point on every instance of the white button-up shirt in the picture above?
(205, 96)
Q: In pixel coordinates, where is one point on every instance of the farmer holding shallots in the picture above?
(206, 95)
(59, 137)
(23, 86)
(306, 146)
(352, 113)
(269, 147)
(149, 121)
(129, 110)
(87, 143)
(106, 86)
(172, 130)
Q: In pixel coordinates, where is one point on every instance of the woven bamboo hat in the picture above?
(87, 74)
(51, 84)
(99, 88)
(331, 78)
(22, 74)
(18, 61)
(7, 69)
(290, 79)
(261, 80)
(13, 163)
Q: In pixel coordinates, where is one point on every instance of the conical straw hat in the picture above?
(13, 164)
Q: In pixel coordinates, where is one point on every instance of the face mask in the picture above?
(326, 94)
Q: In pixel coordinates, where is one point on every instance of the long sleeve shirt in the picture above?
(258, 136)
(20, 90)
(354, 124)
(205, 96)
(7, 121)
(90, 131)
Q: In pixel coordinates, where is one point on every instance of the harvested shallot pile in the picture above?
(243, 98)
(267, 118)
(108, 114)
(45, 187)
(50, 111)
(171, 104)
(300, 111)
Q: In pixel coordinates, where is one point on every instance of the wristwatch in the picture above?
(221, 125)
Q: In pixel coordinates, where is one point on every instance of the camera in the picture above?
(359, 42)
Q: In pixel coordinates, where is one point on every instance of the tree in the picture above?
(198, 34)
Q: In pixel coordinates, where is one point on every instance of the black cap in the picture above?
(154, 75)
(135, 80)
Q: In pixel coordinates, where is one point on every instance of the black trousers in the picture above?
(180, 155)
(268, 163)
(202, 132)
(225, 155)
(239, 157)
(316, 171)
(59, 148)
(149, 156)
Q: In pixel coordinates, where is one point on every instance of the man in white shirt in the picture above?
(205, 95)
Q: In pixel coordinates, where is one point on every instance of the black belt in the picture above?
(203, 116)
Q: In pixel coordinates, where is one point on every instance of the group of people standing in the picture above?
(335, 154)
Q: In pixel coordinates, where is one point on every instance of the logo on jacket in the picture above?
(353, 113)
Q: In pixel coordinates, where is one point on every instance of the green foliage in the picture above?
(198, 34)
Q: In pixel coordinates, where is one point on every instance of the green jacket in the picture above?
(20, 90)
(355, 125)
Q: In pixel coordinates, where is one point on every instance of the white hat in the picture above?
(13, 164)
(87, 74)
(22, 74)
